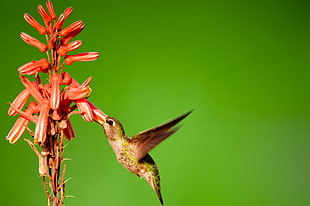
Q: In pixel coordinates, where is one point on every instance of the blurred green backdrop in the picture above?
(243, 66)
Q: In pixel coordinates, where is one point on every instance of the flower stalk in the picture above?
(55, 101)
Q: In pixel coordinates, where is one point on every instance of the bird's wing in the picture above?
(148, 139)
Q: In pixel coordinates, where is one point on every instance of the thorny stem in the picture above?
(54, 157)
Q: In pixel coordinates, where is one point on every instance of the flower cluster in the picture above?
(59, 98)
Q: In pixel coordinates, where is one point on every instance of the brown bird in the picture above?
(132, 152)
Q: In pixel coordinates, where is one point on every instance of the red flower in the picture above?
(56, 99)
(33, 42)
(88, 56)
(41, 29)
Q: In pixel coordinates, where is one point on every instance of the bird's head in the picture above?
(113, 128)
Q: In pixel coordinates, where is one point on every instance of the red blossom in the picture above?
(57, 97)
(20, 125)
(66, 78)
(67, 12)
(41, 29)
(19, 102)
(47, 19)
(33, 42)
(55, 90)
(88, 56)
(50, 9)
(27, 115)
(85, 109)
(60, 21)
(33, 89)
(54, 102)
(41, 128)
(63, 50)
(98, 115)
(34, 67)
(72, 28)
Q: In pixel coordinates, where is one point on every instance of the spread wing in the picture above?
(147, 140)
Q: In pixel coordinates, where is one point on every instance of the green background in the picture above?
(243, 66)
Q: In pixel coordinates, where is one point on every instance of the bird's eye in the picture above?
(110, 122)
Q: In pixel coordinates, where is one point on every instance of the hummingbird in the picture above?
(132, 152)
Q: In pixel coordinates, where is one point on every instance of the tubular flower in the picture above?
(88, 56)
(69, 47)
(19, 102)
(41, 29)
(33, 42)
(34, 67)
(56, 99)
(21, 125)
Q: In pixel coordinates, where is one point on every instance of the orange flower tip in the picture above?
(66, 78)
(86, 110)
(30, 20)
(78, 93)
(87, 82)
(55, 91)
(50, 29)
(70, 36)
(33, 67)
(63, 50)
(60, 22)
(17, 130)
(33, 89)
(47, 19)
(33, 42)
(88, 56)
(51, 10)
(19, 102)
(33, 107)
(41, 127)
(52, 40)
(68, 11)
(72, 28)
(99, 116)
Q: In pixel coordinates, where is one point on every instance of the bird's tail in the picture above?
(157, 190)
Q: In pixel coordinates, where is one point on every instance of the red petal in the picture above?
(63, 50)
(40, 132)
(88, 56)
(72, 28)
(41, 29)
(68, 11)
(85, 108)
(19, 102)
(28, 114)
(33, 42)
(55, 91)
(20, 125)
(66, 78)
(51, 10)
(77, 93)
(33, 89)
(99, 116)
(47, 19)
(33, 67)
(70, 36)
(60, 22)
(17, 130)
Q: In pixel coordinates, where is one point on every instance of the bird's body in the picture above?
(146, 167)
(132, 152)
